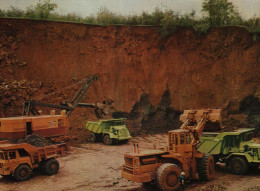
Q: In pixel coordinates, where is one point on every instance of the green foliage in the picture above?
(2, 13)
(44, 10)
(168, 24)
(202, 26)
(30, 13)
(253, 24)
(105, 17)
(221, 13)
(216, 13)
(40, 11)
(14, 12)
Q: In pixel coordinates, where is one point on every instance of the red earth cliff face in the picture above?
(199, 71)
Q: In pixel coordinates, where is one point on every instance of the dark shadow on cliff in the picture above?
(148, 119)
(243, 114)
(250, 106)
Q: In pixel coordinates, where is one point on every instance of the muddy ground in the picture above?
(96, 167)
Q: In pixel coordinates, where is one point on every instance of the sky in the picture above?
(84, 8)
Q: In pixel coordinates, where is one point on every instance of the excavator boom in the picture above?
(29, 105)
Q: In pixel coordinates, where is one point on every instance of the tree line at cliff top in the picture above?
(215, 13)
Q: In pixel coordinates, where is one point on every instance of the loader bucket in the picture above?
(213, 117)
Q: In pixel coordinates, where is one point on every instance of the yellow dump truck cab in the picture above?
(10, 160)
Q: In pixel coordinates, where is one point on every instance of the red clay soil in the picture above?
(38, 58)
(199, 71)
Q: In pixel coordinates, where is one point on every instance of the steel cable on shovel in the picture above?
(40, 98)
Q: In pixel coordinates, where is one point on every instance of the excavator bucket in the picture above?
(213, 117)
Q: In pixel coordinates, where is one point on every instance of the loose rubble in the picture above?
(35, 140)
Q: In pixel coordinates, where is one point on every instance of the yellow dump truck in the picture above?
(18, 160)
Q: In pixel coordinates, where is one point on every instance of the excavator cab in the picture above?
(180, 140)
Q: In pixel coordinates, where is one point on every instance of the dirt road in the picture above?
(96, 167)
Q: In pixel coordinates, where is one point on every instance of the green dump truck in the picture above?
(236, 149)
(110, 131)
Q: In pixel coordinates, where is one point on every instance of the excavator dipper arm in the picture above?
(29, 105)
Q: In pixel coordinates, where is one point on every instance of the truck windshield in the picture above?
(3, 155)
(248, 136)
(117, 123)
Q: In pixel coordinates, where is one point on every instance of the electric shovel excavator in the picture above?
(100, 109)
(163, 166)
(52, 125)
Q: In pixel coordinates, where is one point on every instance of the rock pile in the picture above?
(14, 92)
(35, 140)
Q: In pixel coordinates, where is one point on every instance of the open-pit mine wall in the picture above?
(196, 71)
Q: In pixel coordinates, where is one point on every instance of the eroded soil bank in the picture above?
(149, 78)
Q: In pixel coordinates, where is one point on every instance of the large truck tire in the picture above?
(167, 177)
(107, 140)
(238, 165)
(92, 137)
(51, 166)
(206, 167)
(22, 173)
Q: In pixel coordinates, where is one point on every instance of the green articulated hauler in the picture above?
(236, 149)
(110, 131)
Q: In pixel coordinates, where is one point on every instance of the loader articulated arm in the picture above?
(201, 124)
(189, 118)
(199, 128)
(29, 105)
(196, 121)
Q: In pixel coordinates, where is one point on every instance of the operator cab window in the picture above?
(2, 156)
(172, 139)
(12, 155)
(59, 123)
(188, 141)
(248, 137)
(22, 153)
(176, 139)
(182, 139)
(119, 123)
(5, 156)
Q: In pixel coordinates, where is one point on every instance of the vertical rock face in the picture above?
(196, 71)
